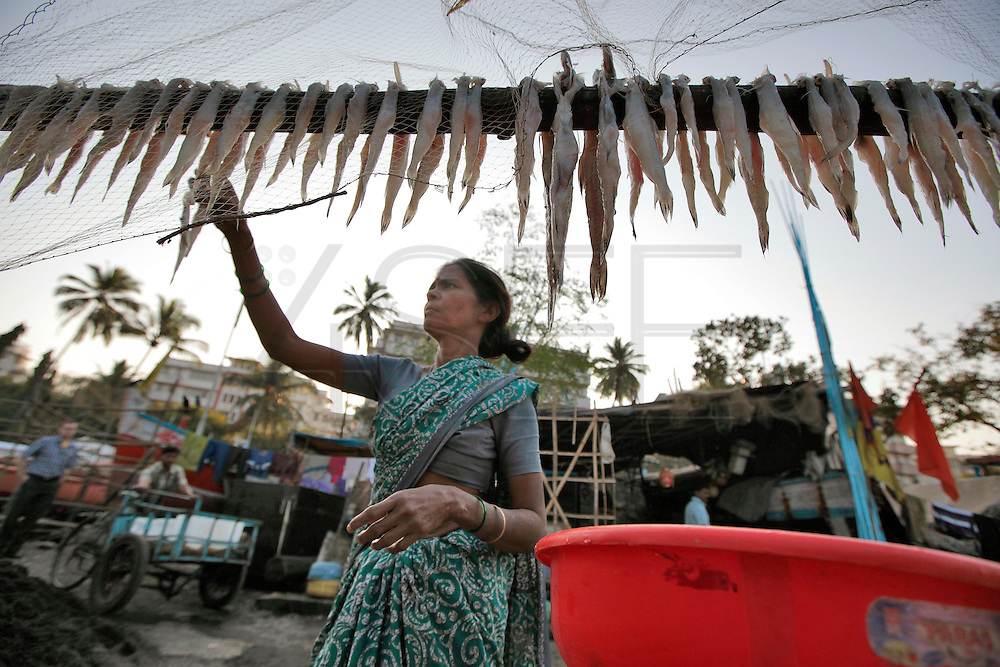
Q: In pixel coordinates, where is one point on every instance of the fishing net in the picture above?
(115, 43)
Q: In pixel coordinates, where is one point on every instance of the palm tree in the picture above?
(168, 323)
(105, 303)
(617, 373)
(102, 395)
(367, 314)
(269, 408)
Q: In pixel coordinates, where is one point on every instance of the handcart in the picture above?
(116, 548)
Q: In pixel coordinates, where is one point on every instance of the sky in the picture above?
(670, 280)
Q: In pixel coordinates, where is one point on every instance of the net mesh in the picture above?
(118, 43)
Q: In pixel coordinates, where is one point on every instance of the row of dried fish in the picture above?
(62, 119)
(928, 149)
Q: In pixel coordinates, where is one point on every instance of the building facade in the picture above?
(182, 382)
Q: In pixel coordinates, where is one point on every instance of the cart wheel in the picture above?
(118, 574)
(220, 582)
(77, 554)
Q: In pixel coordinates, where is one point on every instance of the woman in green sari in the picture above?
(442, 572)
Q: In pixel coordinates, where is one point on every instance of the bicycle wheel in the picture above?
(77, 554)
(220, 582)
(118, 573)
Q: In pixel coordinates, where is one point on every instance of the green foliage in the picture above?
(562, 374)
(269, 411)
(958, 377)
(561, 369)
(99, 397)
(9, 338)
(105, 303)
(749, 351)
(617, 373)
(367, 314)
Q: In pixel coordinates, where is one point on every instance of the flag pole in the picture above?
(868, 525)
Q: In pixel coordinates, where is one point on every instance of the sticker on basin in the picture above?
(918, 634)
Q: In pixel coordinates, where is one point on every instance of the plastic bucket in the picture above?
(323, 580)
(710, 595)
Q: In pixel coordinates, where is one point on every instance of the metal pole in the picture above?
(868, 525)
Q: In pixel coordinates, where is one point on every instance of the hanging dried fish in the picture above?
(705, 173)
(669, 108)
(357, 109)
(196, 132)
(422, 180)
(725, 123)
(925, 181)
(27, 123)
(609, 169)
(590, 186)
(457, 130)
(473, 132)
(137, 137)
(234, 125)
(147, 167)
(687, 110)
(47, 139)
(397, 165)
(529, 117)
(373, 144)
(122, 115)
(303, 115)
(977, 151)
(901, 175)
(891, 118)
(828, 179)
(397, 168)
(946, 131)
(271, 117)
(427, 126)
(641, 135)
(687, 173)
(924, 133)
(757, 189)
(335, 108)
(565, 151)
(742, 135)
(778, 125)
(869, 153)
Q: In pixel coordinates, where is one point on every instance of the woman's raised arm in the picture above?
(280, 341)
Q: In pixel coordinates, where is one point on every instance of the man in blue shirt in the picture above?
(696, 511)
(41, 468)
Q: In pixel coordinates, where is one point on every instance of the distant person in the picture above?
(164, 475)
(696, 511)
(41, 468)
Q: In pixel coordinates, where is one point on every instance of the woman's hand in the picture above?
(226, 202)
(414, 514)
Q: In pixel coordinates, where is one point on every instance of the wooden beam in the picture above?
(499, 109)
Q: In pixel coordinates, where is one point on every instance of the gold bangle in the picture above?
(503, 526)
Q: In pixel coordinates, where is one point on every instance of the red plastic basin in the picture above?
(710, 595)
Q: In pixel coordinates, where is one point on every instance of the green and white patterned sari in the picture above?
(452, 600)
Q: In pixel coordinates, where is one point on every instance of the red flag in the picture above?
(864, 402)
(914, 422)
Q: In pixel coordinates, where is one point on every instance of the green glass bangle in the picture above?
(260, 274)
(476, 529)
(267, 287)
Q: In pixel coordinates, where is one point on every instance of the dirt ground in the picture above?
(150, 630)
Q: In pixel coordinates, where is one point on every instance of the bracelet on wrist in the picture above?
(260, 274)
(503, 527)
(267, 288)
(481, 523)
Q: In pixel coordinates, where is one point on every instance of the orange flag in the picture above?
(914, 422)
(864, 402)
